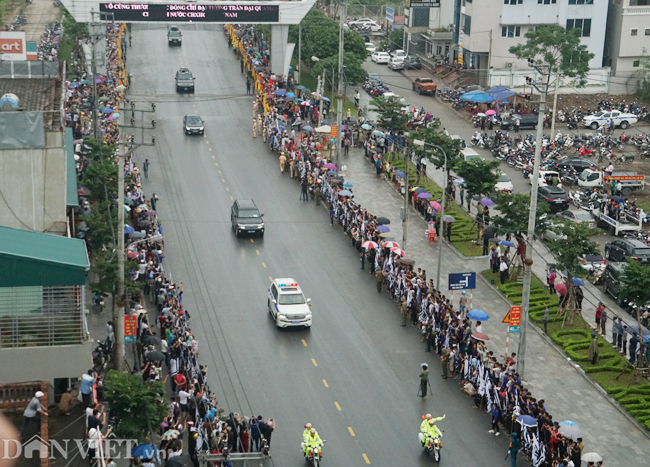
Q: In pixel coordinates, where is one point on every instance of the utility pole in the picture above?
(339, 101)
(542, 87)
(557, 84)
(322, 94)
(406, 200)
(299, 51)
(442, 225)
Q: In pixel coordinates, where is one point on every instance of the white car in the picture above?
(396, 63)
(287, 304)
(504, 185)
(398, 53)
(599, 119)
(545, 178)
(380, 57)
(370, 47)
(366, 23)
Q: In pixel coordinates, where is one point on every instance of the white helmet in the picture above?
(428, 416)
(308, 426)
(313, 431)
(431, 422)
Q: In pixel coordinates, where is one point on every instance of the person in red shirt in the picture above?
(599, 314)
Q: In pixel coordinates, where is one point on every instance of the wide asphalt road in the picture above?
(355, 374)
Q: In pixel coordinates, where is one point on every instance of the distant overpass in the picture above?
(279, 14)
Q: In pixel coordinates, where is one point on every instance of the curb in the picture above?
(576, 367)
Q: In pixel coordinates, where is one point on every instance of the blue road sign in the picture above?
(390, 13)
(462, 280)
(513, 329)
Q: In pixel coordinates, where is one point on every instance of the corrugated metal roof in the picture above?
(71, 195)
(33, 258)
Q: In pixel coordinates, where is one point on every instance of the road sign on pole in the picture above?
(513, 318)
(130, 323)
(462, 281)
(513, 328)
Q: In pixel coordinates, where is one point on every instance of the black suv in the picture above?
(174, 36)
(246, 218)
(184, 80)
(555, 196)
(612, 280)
(526, 121)
(578, 163)
(620, 250)
(412, 63)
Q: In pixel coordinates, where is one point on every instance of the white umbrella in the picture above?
(324, 129)
(591, 457)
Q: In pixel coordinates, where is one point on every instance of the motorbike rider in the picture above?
(306, 432)
(424, 426)
(432, 430)
(312, 441)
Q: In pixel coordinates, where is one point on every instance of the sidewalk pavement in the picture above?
(549, 376)
(39, 14)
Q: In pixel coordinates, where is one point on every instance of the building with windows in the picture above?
(628, 33)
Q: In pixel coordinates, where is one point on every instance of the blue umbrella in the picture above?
(383, 228)
(425, 195)
(280, 92)
(325, 122)
(478, 315)
(348, 185)
(635, 329)
(281, 128)
(477, 96)
(331, 172)
(345, 193)
(73, 85)
(128, 229)
(506, 243)
(527, 420)
(400, 174)
(577, 281)
(291, 95)
(85, 81)
(458, 181)
(145, 451)
(107, 110)
(326, 99)
(307, 128)
(569, 423)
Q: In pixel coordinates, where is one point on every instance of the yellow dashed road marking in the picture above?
(314, 362)
(365, 458)
(350, 430)
(264, 265)
(325, 383)
(304, 343)
(338, 407)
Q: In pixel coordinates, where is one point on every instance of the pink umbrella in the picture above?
(305, 103)
(561, 289)
(132, 254)
(490, 112)
(398, 251)
(435, 205)
(390, 244)
(330, 166)
(369, 245)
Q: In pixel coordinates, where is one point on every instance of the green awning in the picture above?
(71, 196)
(33, 258)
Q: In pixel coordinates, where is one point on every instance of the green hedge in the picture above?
(575, 340)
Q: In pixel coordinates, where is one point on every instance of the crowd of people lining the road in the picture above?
(492, 382)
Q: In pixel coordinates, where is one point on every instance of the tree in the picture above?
(513, 212)
(569, 253)
(644, 89)
(137, 404)
(479, 176)
(432, 138)
(391, 115)
(635, 286)
(396, 39)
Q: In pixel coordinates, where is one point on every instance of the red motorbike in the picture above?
(583, 151)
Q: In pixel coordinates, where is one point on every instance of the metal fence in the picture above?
(42, 316)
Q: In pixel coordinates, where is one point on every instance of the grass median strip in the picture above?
(633, 395)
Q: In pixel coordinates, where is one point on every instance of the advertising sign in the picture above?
(390, 14)
(192, 12)
(13, 45)
(130, 323)
(462, 281)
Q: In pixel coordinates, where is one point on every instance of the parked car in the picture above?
(370, 47)
(578, 163)
(578, 217)
(504, 185)
(470, 88)
(380, 57)
(612, 280)
(412, 63)
(624, 248)
(396, 63)
(600, 119)
(526, 121)
(555, 196)
(398, 53)
(424, 86)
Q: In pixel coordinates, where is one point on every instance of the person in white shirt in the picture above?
(503, 270)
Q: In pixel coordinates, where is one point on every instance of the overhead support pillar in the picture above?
(281, 50)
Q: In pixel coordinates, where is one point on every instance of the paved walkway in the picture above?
(39, 14)
(549, 375)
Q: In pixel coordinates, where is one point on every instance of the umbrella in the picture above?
(126, 208)
(150, 213)
(73, 85)
(398, 251)
(116, 114)
(425, 195)
(383, 220)
(144, 451)
(479, 336)
(524, 420)
(400, 174)
(435, 205)
(419, 190)
(324, 129)
(490, 112)
(448, 219)
(151, 340)
(572, 432)
(345, 193)
(259, 68)
(383, 229)
(128, 229)
(170, 434)
(331, 172)
(487, 202)
(82, 226)
(365, 126)
(386, 236)
(300, 87)
(570, 423)
(477, 96)
(98, 80)
(132, 254)
(407, 261)
(85, 81)
(478, 315)
(250, 50)
(348, 185)
(306, 103)
(137, 235)
(291, 95)
(330, 166)
(326, 99)
(635, 329)
(369, 245)
(481, 114)
(281, 117)
(108, 110)
(177, 461)
(577, 281)
(494, 240)
(591, 457)
(111, 118)
(561, 289)
(458, 181)
(506, 243)
(391, 244)
(155, 356)
(307, 128)
(377, 133)
(325, 122)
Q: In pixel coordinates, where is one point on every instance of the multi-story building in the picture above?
(627, 34)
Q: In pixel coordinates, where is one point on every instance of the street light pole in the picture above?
(121, 296)
(528, 263)
(339, 100)
(406, 200)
